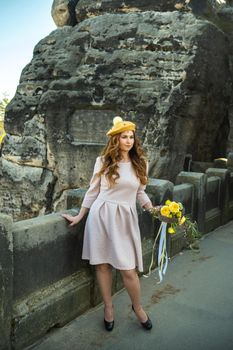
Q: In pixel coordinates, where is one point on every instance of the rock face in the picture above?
(225, 22)
(167, 71)
(63, 12)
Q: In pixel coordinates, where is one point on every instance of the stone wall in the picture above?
(45, 283)
(6, 281)
(163, 67)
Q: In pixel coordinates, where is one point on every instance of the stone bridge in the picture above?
(45, 283)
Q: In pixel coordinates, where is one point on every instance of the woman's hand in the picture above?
(73, 220)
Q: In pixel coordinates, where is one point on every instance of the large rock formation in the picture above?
(225, 22)
(168, 71)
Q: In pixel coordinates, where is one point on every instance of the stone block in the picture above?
(230, 212)
(44, 242)
(220, 163)
(185, 194)
(50, 307)
(212, 219)
(160, 189)
(201, 167)
(213, 192)
(146, 224)
(6, 281)
(75, 198)
(198, 180)
(213, 209)
(225, 177)
(147, 245)
(230, 161)
(175, 243)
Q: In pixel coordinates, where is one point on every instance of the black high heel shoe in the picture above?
(109, 325)
(147, 324)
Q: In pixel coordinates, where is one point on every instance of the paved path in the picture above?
(192, 309)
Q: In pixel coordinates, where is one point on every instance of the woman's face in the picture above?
(126, 141)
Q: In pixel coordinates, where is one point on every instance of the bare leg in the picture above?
(132, 284)
(104, 278)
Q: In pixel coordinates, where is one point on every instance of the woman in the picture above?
(112, 236)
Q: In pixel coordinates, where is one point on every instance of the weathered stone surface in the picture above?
(6, 281)
(50, 307)
(213, 203)
(185, 194)
(42, 242)
(158, 69)
(224, 176)
(199, 182)
(25, 191)
(63, 12)
(69, 12)
(225, 22)
(161, 190)
(90, 8)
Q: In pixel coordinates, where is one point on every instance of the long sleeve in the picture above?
(142, 197)
(94, 187)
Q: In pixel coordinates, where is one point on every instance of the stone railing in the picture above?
(44, 281)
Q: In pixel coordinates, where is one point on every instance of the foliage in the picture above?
(191, 234)
(4, 100)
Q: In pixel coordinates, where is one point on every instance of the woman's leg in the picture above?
(104, 278)
(132, 284)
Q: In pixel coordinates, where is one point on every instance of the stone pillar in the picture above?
(160, 189)
(230, 161)
(199, 181)
(224, 175)
(6, 281)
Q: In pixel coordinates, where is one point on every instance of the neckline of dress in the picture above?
(125, 162)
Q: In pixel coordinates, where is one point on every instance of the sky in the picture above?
(23, 24)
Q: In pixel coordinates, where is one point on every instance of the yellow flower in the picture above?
(171, 230)
(178, 215)
(167, 202)
(174, 207)
(182, 220)
(165, 211)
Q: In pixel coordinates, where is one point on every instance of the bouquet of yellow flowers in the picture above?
(172, 215)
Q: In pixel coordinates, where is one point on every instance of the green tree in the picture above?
(3, 103)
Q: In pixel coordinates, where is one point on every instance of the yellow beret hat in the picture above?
(120, 125)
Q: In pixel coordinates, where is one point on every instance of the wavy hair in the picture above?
(111, 156)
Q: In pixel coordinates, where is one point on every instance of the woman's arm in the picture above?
(142, 197)
(89, 197)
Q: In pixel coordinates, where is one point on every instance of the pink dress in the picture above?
(112, 233)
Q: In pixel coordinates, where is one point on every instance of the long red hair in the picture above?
(111, 156)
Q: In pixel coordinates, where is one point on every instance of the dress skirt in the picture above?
(112, 232)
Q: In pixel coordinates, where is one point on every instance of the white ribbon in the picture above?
(162, 254)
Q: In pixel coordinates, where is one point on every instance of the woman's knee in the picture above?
(103, 267)
(129, 274)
